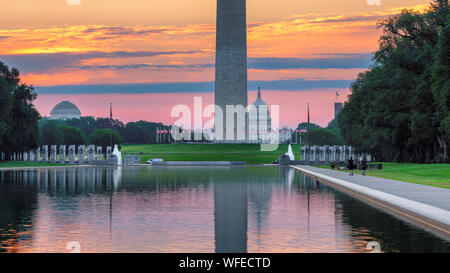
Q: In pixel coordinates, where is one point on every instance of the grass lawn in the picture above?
(250, 153)
(437, 175)
(27, 164)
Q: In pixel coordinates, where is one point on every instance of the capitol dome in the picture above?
(65, 110)
(259, 120)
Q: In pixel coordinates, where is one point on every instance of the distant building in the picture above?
(285, 134)
(65, 110)
(259, 121)
(337, 108)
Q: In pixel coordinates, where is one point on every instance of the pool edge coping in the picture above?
(423, 215)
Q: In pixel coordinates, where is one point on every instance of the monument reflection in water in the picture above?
(141, 209)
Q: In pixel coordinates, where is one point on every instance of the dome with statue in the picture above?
(65, 110)
(259, 120)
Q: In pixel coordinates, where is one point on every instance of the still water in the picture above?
(145, 209)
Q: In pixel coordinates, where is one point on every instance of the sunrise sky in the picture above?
(146, 56)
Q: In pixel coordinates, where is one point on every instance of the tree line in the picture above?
(313, 134)
(18, 116)
(90, 130)
(399, 109)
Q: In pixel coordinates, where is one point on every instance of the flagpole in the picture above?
(110, 125)
(308, 117)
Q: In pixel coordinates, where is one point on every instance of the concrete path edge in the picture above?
(429, 217)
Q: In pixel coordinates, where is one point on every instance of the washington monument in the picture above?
(231, 65)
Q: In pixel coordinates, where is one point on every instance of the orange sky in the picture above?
(53, 43)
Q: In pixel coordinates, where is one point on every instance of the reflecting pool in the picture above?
(186, 209)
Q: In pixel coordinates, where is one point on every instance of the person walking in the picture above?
(351, 166)
(364, 166)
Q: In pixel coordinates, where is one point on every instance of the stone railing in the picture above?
(91, 155)
(327, 154)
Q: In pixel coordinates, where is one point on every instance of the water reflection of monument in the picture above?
(230, 217)
(233, 203)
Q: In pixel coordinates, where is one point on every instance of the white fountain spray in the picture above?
(290, 153)
(117, 153)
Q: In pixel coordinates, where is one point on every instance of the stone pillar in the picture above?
(25, 156)
(321, 153)
(108, 152)
(37, 154)
(338, 153)
(81, 154)
(72, 154)
(62, 154)
(99, 153)
(303, 153)
(44, 153)
(53, 153)
(91, 153)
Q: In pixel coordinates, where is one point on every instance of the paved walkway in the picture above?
(426, 205)
(433, 196)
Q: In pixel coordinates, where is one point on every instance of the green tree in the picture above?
(25, 120)
(51, 134)
(397, 108)
(322, 136)
(304, 126)
(441, 87)
(18, 116)
(8, 79)
(72, 135)
(102, 137)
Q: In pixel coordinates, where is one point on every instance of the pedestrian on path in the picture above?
(351, 166)
(364, 166)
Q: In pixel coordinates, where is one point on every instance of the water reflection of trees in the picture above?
(17, 203)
